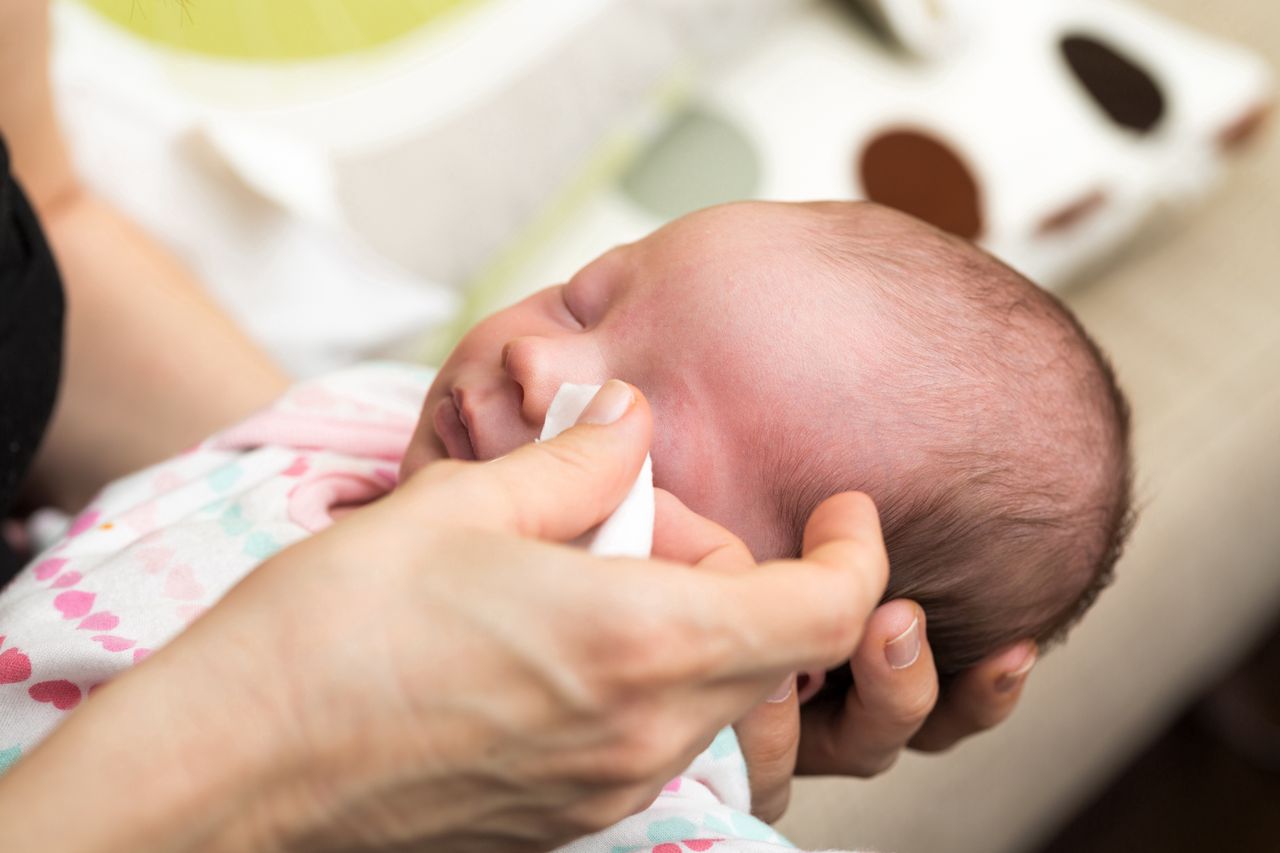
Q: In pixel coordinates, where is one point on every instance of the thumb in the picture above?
(554, 490)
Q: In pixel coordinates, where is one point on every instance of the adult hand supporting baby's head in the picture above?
(425, 672)
(770, 734)
(892, 702)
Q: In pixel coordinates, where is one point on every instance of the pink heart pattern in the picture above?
(155, 559)
(74, 603)
(15, 667)
(46, 569)
(66, 579)
(166, 481)
(62, 694)
(113, 643)
(182, 584)
(141, 518)
(83, 522)
(103, 620)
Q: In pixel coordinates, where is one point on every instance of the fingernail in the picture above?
(904, 649)
(610, 403)
(1010, 680)
(783, 691)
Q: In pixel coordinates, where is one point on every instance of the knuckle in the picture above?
(934, 737)
(773, 804)
(840, 621)
(988, 715)
(914, 707)
(626, 662)
(632, 748)
(587, 816)
(647, 652)
(572, 454)
(869, 766)
(644, 754)
(436, 472)
(932, 745)
(605, 808)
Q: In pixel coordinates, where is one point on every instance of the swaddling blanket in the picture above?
(153, 550)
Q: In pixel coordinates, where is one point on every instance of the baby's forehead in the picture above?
(765, 260)
(742, 230)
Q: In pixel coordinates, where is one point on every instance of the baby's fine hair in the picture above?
(1011, 499)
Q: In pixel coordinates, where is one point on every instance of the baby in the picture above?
(794, 351)
(788, 352)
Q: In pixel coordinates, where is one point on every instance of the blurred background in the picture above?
(355, 179)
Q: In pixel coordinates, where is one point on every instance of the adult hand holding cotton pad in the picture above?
(628, 532)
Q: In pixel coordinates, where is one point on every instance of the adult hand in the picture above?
(892, 702)
(769, 735)
(423, 674)
(891, 705)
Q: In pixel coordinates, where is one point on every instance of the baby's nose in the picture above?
(533, 363)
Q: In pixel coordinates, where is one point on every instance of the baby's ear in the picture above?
(681, 535)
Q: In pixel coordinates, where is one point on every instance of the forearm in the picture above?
(159, 760)
(151, 365)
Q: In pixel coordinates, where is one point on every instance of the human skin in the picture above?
(722, 319)
(489, 692)
(128, 301)
(691, 315)
(145, 346)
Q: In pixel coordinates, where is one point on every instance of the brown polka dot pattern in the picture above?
(1239, 132)
(1120, 86)
(923, 176)
(1072, 213)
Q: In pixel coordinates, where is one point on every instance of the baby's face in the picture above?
(710, 317)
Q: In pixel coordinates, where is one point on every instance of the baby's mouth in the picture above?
(451, 430)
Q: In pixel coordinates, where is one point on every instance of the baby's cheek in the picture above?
(423, 448)
(682, 470)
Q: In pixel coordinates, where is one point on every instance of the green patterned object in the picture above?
(273, 29)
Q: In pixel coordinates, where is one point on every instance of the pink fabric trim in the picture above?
(313, 432)
(310, 502)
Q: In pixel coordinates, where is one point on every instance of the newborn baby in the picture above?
(793, 351)
(788, 352)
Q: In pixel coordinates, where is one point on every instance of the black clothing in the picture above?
(31, 309)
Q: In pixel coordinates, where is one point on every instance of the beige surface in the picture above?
(1192, 319)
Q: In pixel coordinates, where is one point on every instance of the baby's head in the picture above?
(792, 351)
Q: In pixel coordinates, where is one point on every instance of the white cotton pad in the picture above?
(628, 532)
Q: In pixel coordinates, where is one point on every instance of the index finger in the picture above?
(811, 611)
(680, 534)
